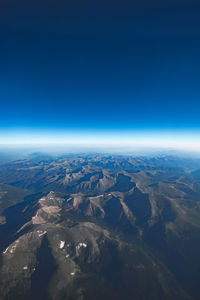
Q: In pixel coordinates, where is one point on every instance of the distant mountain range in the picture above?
(100, 227)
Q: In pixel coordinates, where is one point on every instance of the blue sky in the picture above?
(101, 67)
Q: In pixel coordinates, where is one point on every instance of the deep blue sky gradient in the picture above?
(100, 65)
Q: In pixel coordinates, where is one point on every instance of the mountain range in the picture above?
(100, 227)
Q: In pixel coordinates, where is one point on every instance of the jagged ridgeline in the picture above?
(100, 227)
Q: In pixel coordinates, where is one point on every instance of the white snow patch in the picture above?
(5, 250)
(13, 248)
(42, 233)
(62, 244)
(81, 245)
(42, 199)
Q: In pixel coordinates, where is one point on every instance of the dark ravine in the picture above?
(16, 216)
(43, 272)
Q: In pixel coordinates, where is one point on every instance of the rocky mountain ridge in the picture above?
(101, 227)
